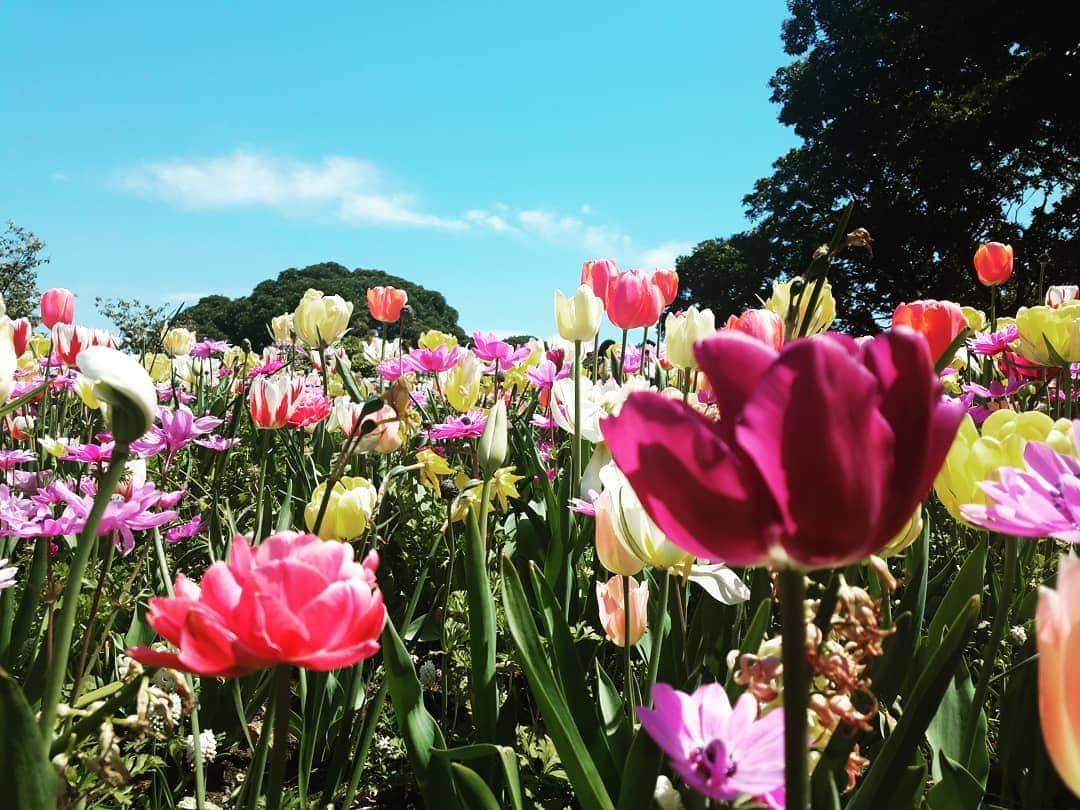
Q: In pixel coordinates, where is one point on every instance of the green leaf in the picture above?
(751, 641)
(27, 780)
(415, 724)
(907, 792)
(561, 725)
(900, 746)
(968, 583)
(482, 641)
(473, 790)
(824, 793)
(506, 756)
(617, 727)
(640, 772)
(946, 731)
(956, 788)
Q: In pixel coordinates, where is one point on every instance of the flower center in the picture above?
(713, 763)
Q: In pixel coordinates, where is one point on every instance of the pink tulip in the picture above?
(763, 324)
(1057, 626)
(274, 399)
(57, 306)
(634, 301)
(821, 454)
(385, 303)
(1060, 293)
(609, 596)
(940, 322)
(598, 274)
(993, 263)
(667, 281)
(293, 599)
(20, 335)
(613, 555)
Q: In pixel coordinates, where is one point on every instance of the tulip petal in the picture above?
(733, 362)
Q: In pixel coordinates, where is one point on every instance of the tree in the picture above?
(721, 274)
(138, 325)
(247, 318)
(21, 253)
(948, 125)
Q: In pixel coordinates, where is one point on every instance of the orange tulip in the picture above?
(609, 596)
(668, 283)
(386, 303)
(763, 324)
(1057, 626)
(938, 321)
(994, 263)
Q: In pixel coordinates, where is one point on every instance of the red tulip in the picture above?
(940, 322)
(821, 454)
(385, 303)
(763, 324)
(598, 274)
(634, 301)
(994, 263)
(273, 400)
(293, 599)
(57, 306)
(668, 282)
(20, 335)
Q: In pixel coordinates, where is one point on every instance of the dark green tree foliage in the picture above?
(21, 253)
(948, 125)
(237, 319)
(138, 325)
(722, 275)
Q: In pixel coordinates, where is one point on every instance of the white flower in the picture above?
(719, 582)
(125, 390)
(666, 796)
(375, 350)
(8, 361)
(578, 317)
(1018, 635)
(207, 747)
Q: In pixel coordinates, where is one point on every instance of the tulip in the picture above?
(1057, 635)
(763, 324)
(492, 447)
(599, 274)
(1060, 293)
(976, 319)
(352, 502)
(609, 597)
(69, 340)
(940, 322)
(9, 359)
(578, 318)
(993, 263)
(282, 329)
(57, 306)
(461, 384)
(682, 331)
(824, 310)
(635, 530)
(634, 301)
(667, 281)
(321, 319)
(905, 537)
(797, 471)
(293, 599)
(433, 339)
(385, 303)
(273, 400)
(20, 335)
(1060, 328)
(613, 555)
(178, 341)
(125, 390)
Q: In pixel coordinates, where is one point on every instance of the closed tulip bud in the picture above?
(634, 301)
(609, 598)
(1057, 635)
(613, 555)
(178, 341)
(386, 303)
(124, 387)
(598, 274)
(824, 310)
(57, 306)
(321, 319)
(763, 324)
(461, 384)
(578, 318)
(158, 366)
(1049, 336)
(993, 263)
(9, 360)
(940, 322)
(682, 331)
(348, 512)
(274, 399)
(281, 327)
(39, 344)
(1060, 293)
(20, 335)
(667, 281)
(492, 447)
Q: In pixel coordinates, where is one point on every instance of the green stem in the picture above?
(997, 631)
(658, 631)
(796, 688)
(280, 752)
(993, 309)
(65, 624)
(596, 358)
(575, 457)
(622, 357)
(644, 344)
(628, 693)
(264, 460)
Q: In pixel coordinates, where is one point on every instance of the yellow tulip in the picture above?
(281, 327)
(352, 501)
(976, 319)
(578, 317)
(682, 331)
(824, 310)
(158, 366)
(432, 465)
(178, 341)
(906, 536)
(433, 339)
(321, 318)
(461, 384)
(1060, 328)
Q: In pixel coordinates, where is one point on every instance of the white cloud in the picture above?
(664, 255)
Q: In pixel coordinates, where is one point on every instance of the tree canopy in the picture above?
(21, 253)
(246, 318)
(947, 125)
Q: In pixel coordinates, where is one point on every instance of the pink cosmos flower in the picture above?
(123, 515)
(721, 751)
(545, 373)
(176, 429)
(441, 358)
(467, 426)
(391, 370)
(207, 347)
(186, 530)
(293, 599)
(219, 444)
(991, 343)
(490, 349)
(10, 458)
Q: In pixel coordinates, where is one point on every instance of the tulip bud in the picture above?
(352, 502)
(615, 557)
(9, 360)
(609, 597)
(178, 341)
(492, 447)
(783, 294)
(939, 322)
(20, 335)
(578, 318)
(598, 275)
(667, 281)
(461, 384)
(993, 263)
(121, 384)
(57, 306)
(682, 331)
(386, 303)
(1060, 293)
(634, 301)
(274, 399)
(281, 328)
(321, 319)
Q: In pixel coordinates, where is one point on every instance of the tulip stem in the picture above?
(993, 308)
(658, 630)
(796, 687)
(596, 358)
(997, 631)
(279, 753)
(65, 623)
(622, 358)
(628, 687)
(575, 456)
(644, 344)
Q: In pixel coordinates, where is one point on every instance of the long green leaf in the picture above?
(617, 727)
(579, 766)
(968, 583)
(475, 794)
(639, 773)
(506, 757)
(27, 780)
(482, 640)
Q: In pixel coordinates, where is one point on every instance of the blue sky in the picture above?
(485, 150)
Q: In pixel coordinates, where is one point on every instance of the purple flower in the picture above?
(185, 530)
(206, 347)
(391, 370)
(990, 343)
(441, 358)
(1041, 501)
(719, 751)
(544, 375)
(10, 458)
(219, 444)
(490, 349)
(267, 368)
(468, 426)
(176, 431)
(123, 516)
